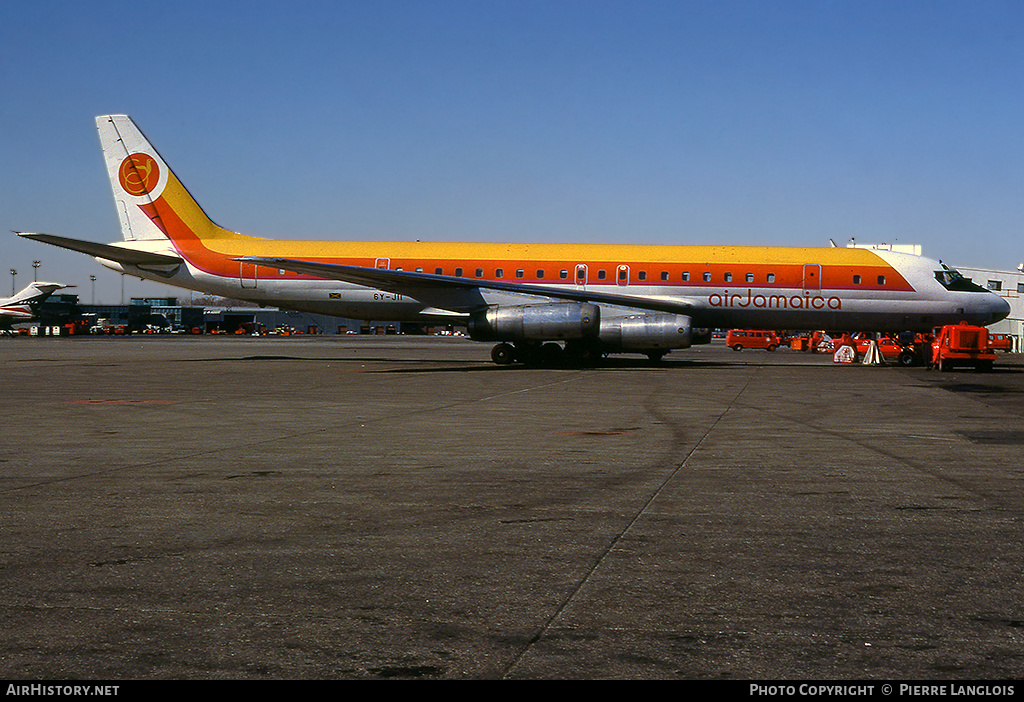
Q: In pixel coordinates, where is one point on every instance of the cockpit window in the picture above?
(952, 279)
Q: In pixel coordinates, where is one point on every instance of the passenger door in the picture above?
(581, 275)
(812, 276)
(247, 274)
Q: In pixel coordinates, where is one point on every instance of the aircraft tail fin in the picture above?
(151, 202)
(35, 293)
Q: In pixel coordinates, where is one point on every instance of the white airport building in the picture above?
(1010, 286)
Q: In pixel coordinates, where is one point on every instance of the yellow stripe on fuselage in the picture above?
(210, 247)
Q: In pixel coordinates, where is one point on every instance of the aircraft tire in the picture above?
(503, 354)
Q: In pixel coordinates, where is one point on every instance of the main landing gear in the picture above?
(547, 354)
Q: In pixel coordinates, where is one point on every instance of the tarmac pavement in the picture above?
(399, 507)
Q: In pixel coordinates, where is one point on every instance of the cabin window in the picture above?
(664, 275)
(750, 277)
(438, 271)
(686, 275)
(642, 275)
(728, 277)
(601, 275)
(563, 274)
(622, 273)
(856, 280)
(419, 269)
(499, 272)
(458, 272)
(540, 273)
(881, 280)
(479, 272)
(581, 273)
(995, 285)
(707, 276)
(771, 277)
(520, 273)
(1020, 287)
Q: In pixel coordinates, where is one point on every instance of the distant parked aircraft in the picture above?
(22, 307)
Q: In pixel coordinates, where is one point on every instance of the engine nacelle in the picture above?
(542, 322)
(647, 332)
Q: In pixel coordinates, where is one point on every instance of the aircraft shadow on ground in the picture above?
(426, 365)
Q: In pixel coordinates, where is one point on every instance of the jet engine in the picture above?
(647, 332)
(542, 322)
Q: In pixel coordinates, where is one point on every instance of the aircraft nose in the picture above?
(999, 308)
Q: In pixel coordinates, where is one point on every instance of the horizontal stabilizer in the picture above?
(416, 284)
(105, 251)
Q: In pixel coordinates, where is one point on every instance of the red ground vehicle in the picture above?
(739, 339)
(890, 348)
(962, 345)
(1000, 342)
(906, 349)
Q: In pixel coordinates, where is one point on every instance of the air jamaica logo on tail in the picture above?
(139, 174)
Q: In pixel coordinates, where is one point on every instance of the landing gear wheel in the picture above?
(503, 354)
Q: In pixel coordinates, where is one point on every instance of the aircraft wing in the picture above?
(424, 286)
(105, 251)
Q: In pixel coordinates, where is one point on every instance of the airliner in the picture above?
(537, 302)
(22, 307)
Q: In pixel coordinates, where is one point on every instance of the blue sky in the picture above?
(731, 122)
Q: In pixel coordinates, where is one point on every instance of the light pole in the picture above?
(14, 274)
(93, 279)
(35, 271)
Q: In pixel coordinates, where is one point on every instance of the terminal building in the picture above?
(1010, 286)
(165, 314)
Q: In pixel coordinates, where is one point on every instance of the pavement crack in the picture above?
(651, 406)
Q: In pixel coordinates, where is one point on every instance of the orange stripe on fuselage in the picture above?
(209, 248)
